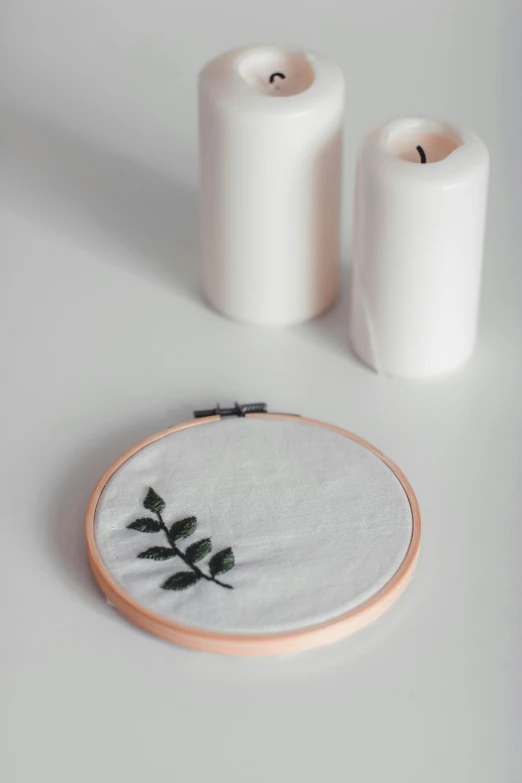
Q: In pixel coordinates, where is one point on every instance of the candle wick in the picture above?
(422, 154)
(281, 76)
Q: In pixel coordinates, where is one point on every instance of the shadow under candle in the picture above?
(103, 199)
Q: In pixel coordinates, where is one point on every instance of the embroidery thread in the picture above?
(218, 564)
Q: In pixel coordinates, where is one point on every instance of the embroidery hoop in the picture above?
(252, 644)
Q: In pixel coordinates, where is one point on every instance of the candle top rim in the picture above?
(468, 152)
(449, 136)
(319, 79)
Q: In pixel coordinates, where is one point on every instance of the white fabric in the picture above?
(318, 523)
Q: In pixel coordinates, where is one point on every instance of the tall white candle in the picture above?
(270, 155)
(418, 237)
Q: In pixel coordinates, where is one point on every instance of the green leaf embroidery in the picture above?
(183, 528)
(157, 553)
(198, 551)
(153, 502)
(222, 561)
(181, 580)
(145, 525)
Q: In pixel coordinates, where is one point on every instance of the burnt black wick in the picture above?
(281, 76)
(422, 154)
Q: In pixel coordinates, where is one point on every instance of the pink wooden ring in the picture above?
(253, 644)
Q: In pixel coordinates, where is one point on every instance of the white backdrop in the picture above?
(109, 341)
(122, 75)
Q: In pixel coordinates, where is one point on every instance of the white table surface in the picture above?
(108, 340)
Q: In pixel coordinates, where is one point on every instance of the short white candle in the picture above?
(418, 238)
(270, 156)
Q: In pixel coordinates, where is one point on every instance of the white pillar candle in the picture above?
(270, 151)
(418, 237)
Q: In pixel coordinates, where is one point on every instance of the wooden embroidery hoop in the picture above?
(245, 644)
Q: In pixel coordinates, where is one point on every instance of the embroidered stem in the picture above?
(180, 554)
(219, 563)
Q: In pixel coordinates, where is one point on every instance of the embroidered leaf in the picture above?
(157, 553)
(222, 561)
(153, 502)
(183, 528)
(145, 525)
(198, 550)
(181, 580)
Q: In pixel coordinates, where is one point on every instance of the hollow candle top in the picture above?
(452, 153)
(272, 80)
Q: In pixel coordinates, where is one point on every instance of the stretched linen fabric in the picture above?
(308, 523)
